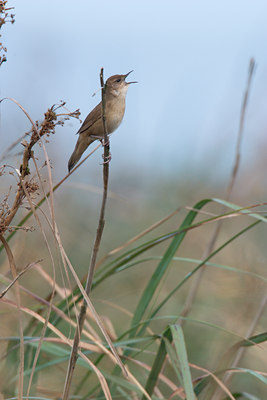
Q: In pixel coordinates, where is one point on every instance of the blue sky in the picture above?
(189, 57)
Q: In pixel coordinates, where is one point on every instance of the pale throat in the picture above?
(120, 92)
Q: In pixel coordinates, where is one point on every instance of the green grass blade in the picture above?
(200, 386)
(163, 265)
(199, 266)
(253, 373)
(195, 261)
(158, 363)
(174, 361)
(260, 338)
(179, 343)
(243, 395)
(245, 210)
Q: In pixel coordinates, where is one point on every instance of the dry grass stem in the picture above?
(65, 340)
(47, 195)
(17, 292)
(137, 237)
(47, 127)
(5, 17)
(196, 282)
(101, 223)
(129, 338)
(26, 188)
(27, 268)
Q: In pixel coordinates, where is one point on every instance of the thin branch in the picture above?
(47, 195)
(105, 191)
(47, 127)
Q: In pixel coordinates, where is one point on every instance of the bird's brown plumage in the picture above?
(92, 127)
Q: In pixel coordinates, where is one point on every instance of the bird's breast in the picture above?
(114, 114)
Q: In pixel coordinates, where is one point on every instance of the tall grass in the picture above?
(149, 345)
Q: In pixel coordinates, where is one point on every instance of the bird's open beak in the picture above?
(128, 83)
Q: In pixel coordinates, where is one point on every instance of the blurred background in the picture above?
(176, 144)
(189, 57)
(180, 127)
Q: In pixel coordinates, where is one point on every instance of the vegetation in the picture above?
(175, 311)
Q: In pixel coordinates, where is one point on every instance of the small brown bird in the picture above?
(92, 128)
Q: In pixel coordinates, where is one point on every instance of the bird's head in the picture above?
(117, 85)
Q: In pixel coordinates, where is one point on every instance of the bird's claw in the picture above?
(106, 159)
(104, 143)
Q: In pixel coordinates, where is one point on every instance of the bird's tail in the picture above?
(81, 146)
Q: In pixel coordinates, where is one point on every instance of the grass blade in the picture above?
(179, 343)
(158, 363)
(163, 265)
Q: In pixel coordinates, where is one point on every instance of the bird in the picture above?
(92, 128)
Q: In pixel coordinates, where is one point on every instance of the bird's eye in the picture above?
(118, 80)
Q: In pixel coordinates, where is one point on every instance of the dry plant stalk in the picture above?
(18, 300)
(195, 285)
(46, 128)
(101, 223)
(47, 195)
(26, 187)
(5, 17)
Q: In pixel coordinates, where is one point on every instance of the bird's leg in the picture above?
(103, 143)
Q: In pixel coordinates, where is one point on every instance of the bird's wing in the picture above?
(91, 119)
